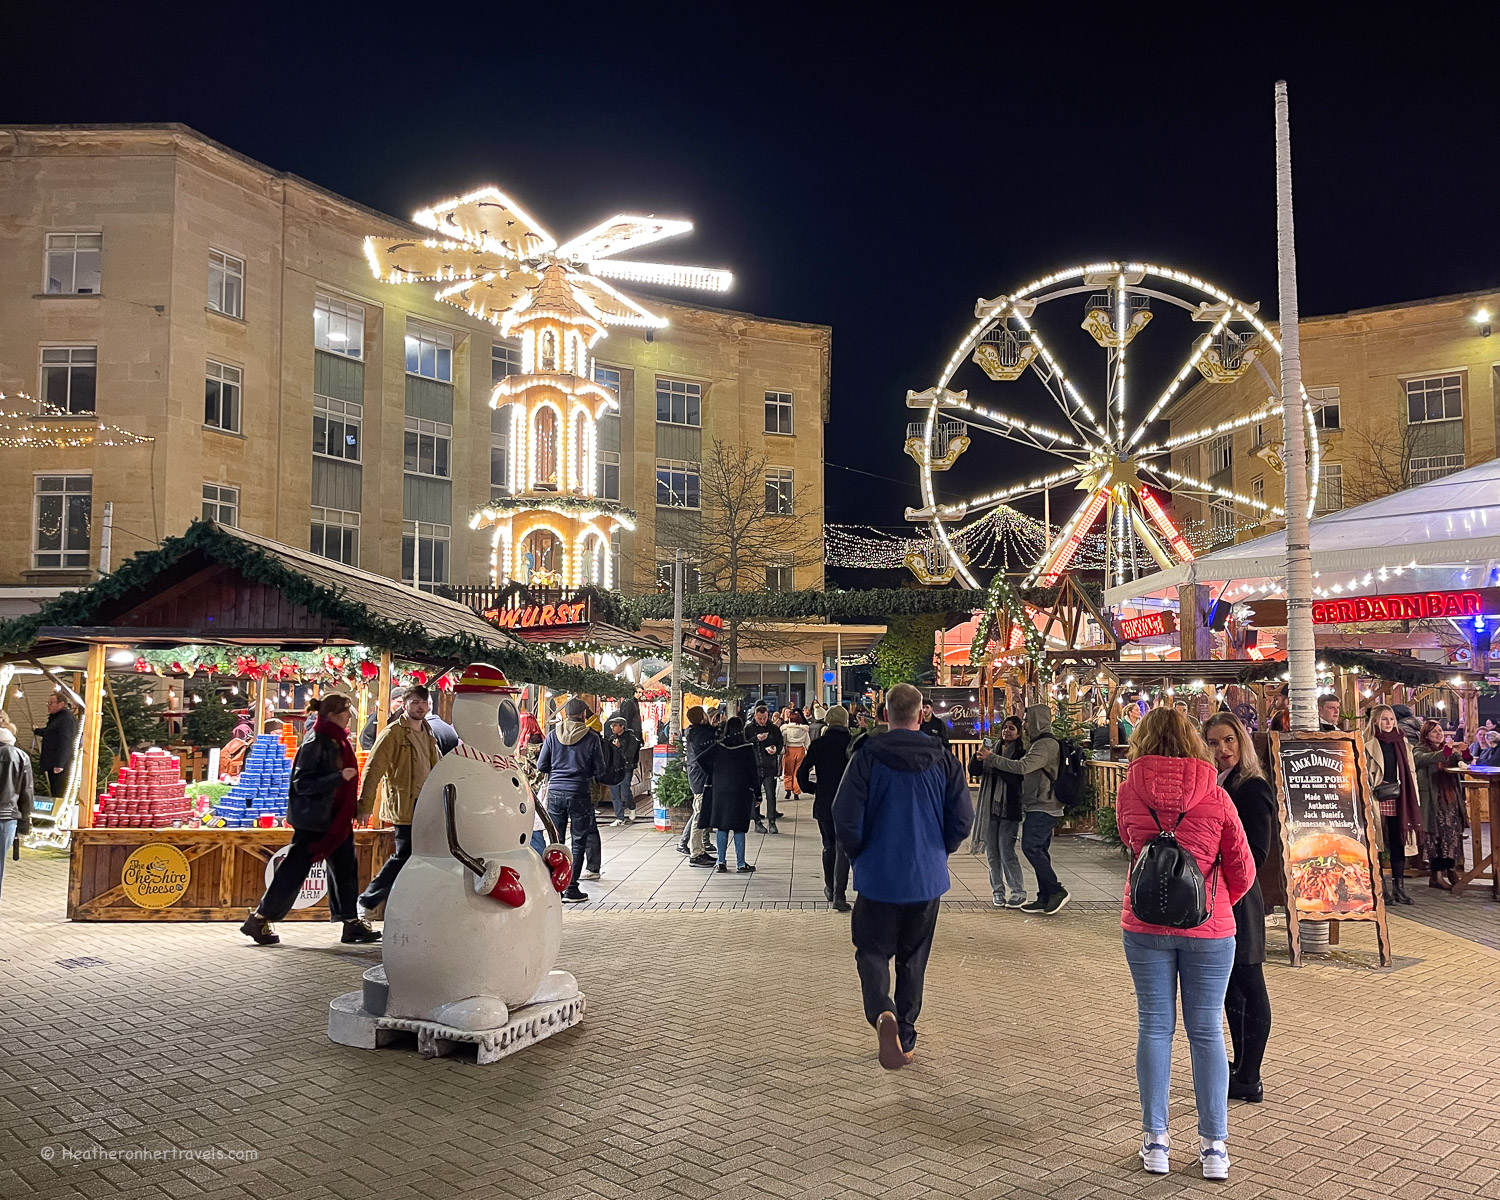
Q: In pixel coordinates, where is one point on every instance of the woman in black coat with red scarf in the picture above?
(320, 810)
(1246, 1003)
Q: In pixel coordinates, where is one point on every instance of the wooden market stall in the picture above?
(222, 587)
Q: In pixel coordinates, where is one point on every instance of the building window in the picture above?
(1434, 466)
(424, 554)
(221, 504)
(338, 427)
(1436, 398)
(1330, 487)
(1258, 490)
(429, 353)
(679, 403)
(779, 491)
(692, 580)
(608, 485)
(335, 535)
(1325, 407)
(63, 512)
(1221, 517)
(499, 463)
(339, 327)
(1219, 452)
(221, 397)
(778, 578)
(69, 378)
(73, 264)
(608, 377)
(676, 484)
(226, 284)
(427, 448)
(505, 359)
(778, 412)
(1258, 435)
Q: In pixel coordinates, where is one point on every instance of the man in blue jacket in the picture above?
(902, 808)
(572, 757)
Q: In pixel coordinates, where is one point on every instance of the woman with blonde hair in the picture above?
(1172, 787)
(1392, 778)
(1246, 1002)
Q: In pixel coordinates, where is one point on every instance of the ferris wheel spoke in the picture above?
(1190, 485)
(1056, 380)
(1030, 488)
(1200, 348)
(1178, 442)
(1026, 432)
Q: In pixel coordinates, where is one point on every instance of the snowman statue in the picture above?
(474, 922)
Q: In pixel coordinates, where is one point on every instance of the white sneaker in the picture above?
(1154, 1149)
(589, 875)
(1213, 1157)
(616, 823)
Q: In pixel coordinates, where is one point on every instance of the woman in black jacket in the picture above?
(320, 810)
(734, 786)
(828, 755)
(1246, 1002)
(998, 816)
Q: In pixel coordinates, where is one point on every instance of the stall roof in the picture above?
(222, 585)
(1445, 528)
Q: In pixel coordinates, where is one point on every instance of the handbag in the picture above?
(1385, 792)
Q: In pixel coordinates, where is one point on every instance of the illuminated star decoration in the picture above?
(489, 258)
(1119, 471)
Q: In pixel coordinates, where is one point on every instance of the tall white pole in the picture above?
(1301, 653)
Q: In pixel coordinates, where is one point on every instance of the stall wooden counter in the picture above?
(190, 874)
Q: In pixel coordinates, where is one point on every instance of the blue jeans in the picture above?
(1006, 880)
(1158, 962)
(586, 847)
(722, 837)
(539, 840)
(619, 794)
(7, 836)
(1036, 845)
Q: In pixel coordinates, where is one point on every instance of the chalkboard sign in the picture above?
(1329, 856)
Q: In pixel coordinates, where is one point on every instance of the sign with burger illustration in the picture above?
(1331, 862)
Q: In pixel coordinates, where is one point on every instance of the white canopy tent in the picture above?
(1443, 534)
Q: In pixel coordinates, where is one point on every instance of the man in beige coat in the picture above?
(403, 755)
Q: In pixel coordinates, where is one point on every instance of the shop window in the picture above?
(221, 397)
(335, 535)
(1435, 398)
(778, 412)
(424, 554)
(221, 504)
(676, 484)
(62, 515)
(678, 402)
(70, 376)
(226, 284)
(338, 428)
(429, 352)
(428, 448)
(73, 264)
(779, 492)
(339, 327)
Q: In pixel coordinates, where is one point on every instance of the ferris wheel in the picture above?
(1104, 452)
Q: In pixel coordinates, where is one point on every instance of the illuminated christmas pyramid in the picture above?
(496, 263)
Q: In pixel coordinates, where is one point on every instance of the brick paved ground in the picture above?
(723, 1056)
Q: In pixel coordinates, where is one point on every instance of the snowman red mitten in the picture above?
(502, 884)
(560, 862)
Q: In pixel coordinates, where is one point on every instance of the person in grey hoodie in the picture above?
(16, 789)
(1040, 810)
(572, 757)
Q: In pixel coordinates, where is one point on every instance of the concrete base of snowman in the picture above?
(473, 924)
(359, 1019)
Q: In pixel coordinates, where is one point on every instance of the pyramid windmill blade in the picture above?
(488, 217)
(619, 234)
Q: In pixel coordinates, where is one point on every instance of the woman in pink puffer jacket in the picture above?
(1172, 775)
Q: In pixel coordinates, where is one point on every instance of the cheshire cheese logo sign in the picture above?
(156, 875)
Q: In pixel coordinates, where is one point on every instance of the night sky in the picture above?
(875, 171)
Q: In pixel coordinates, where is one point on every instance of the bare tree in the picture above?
(1379, 460)
(750, 523)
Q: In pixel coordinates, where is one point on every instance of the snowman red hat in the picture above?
(480, 679)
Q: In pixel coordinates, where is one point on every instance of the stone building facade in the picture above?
(170, 286)
(1403, 394)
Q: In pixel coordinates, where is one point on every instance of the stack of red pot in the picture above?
(148, 795)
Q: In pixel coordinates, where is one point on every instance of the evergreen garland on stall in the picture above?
(1002, 597)
(1393, 668)
(876, 605)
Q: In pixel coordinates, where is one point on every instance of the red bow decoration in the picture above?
(368, 670)
(419, 678)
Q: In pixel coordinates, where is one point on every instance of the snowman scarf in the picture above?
(346, 792)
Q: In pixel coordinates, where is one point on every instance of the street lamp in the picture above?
(1482, 319)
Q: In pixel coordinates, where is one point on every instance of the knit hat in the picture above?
(837, 715)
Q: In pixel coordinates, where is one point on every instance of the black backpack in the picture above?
(1166, 884)
(616, 765)
(1067, 787)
